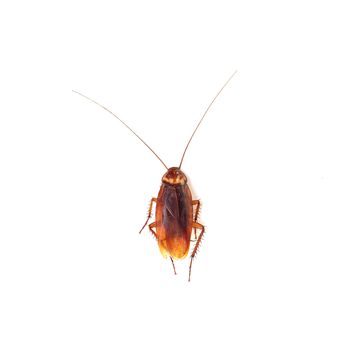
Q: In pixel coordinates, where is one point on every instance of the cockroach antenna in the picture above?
(205, 113)
(109, 111)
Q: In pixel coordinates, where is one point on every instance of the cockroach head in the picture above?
(174, 176)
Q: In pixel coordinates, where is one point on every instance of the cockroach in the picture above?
(176, 211)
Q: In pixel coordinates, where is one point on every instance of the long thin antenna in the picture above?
(188, 143)
(88, 98)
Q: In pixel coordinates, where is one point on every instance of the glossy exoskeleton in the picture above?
(176, 211)
(175, 217)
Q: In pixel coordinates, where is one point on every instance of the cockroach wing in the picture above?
(174, 220)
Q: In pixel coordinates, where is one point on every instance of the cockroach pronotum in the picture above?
(176, 211)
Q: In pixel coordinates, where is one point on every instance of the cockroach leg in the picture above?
(172, 261)
(151, 228)
(149, 213)
(194, 252)
(196, 203)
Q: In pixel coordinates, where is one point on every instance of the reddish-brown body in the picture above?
(174, 220)
(175, 217)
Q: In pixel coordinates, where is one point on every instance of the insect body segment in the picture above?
(175, 217)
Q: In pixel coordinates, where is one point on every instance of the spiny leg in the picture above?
(200, 227)
(196, 213)
(151, 228)
(172, 261)
(198, 204)
(149, 212)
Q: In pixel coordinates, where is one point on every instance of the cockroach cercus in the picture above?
(176, 211)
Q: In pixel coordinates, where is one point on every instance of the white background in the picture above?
(270, 164)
